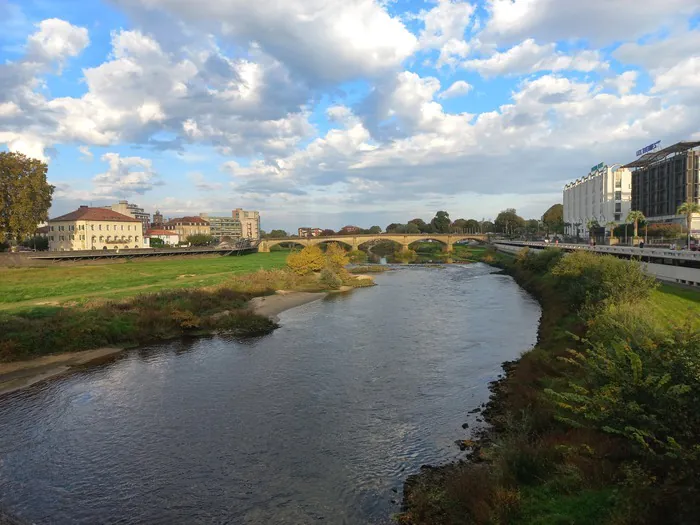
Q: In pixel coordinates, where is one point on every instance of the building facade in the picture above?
(349, 230)
(94, 229)
(604, 195)
(133, 210)
(186, 226)
(663, 180)
(170, 238)
(310, 232)
(250, 223)
(157, 220)
(223, 228)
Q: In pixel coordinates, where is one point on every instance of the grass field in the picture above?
(675, 305)
(27, 287)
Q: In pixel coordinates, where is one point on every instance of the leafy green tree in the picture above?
(37, 242)
(310, 259)
(592, 225)
(375, 230)
(473, 226)
(25, 195)
(611, 226)
(688, 209)
(357, 256)
(458, 226)
(635, 217)
(441, 222)
(532, 227)
(278, 234)
(487, 227)
(509, 222)
(200, 239)
(327, 233)
(411, 228)
(553, 219)
(395, 227)
(156, 242)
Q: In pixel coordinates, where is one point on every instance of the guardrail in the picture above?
(659, 253)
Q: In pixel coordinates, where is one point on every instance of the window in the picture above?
(122, 227)
(51, 238)
(617, 216)
(99, 227)
(107, 227)
(618, 195)
(618, 207)
(51, 228)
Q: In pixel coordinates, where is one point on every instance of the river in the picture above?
(320, 421)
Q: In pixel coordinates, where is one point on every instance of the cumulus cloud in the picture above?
(125, 176)
(457, 89)
(322, 40)
(530, 57)
(600, 21)
(201, 183)
(56, 40)
(625, 82)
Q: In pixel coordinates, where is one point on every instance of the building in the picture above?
(186, 226)
(132, 210)
(310, 232)
(604, 195)
(250, 223)
(171, 238)
(224, 228)
(349, 230)
(157, 220)
(663, 180)
(95, 229)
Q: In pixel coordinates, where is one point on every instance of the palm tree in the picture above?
(612, 225)
(687, 209)
(591, 225)
(635, 216)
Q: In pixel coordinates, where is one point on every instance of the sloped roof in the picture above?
(180, 220)
(150, 233)
(86, 213)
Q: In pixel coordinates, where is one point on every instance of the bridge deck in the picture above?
(127, 254)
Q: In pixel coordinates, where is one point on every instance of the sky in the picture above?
(332, 112)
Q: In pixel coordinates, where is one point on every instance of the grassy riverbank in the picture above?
(77, 282)
(598, 423)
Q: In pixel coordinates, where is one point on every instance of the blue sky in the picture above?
(329, 112)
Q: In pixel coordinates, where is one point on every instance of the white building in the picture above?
(604, 195)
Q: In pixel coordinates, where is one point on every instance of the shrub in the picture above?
(406, 256)
(329, 279)
(587, 278)
(357, 256)
(310, 259)
(542, 261)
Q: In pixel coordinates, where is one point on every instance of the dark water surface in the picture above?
(319, 422)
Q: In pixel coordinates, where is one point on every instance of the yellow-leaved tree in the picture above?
(310, 259)
(336, 256)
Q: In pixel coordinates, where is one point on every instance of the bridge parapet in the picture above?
(354, 241)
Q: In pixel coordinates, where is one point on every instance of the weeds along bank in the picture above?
(598, 424)
(150, 317)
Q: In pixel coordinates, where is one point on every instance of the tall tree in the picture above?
(487, 226)
(395, 227)
(509, 222)
(25, 195)
(459, 226)
(375, 229)
(553, 219)
(635, 217)
(423, 227)
(277, 234)
(441, 222)
(411, 227)
(688, 209)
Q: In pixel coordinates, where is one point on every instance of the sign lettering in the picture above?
(647, 149)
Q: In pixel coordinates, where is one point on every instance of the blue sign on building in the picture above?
(650, 147)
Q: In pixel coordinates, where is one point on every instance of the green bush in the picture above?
(357, 256)
(329, 279)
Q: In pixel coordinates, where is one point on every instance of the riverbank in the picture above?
(271, 306)
(583, 431)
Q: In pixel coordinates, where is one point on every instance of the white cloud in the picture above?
(457, 89)
(600, 21)
(126, 176)
(200, 182)
(86, 153)
(625, 82)
(684, 75)
(323, 40)
(444, 22)
(530, 57)
(56, 40)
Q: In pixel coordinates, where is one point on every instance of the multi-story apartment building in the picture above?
(223, 227)
(186, 226)
(157, 220)
(310, 232)
(94, 229)
(663, 180)
(604, 195)
(250, 223)
(133, 210)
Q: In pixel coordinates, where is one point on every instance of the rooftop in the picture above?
(656, 156)
(149, 233)
(180, 220)
(86, 213)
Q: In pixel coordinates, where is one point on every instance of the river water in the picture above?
(318, 422)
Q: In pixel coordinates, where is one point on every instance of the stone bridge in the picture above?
(448, 240)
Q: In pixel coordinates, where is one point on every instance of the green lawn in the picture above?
(675, 304)
(22, 287)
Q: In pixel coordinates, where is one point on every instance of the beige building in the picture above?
(94, 229)
(169, 237)
(186, 226)
(250, 223)
(132, 210)
(223, 227)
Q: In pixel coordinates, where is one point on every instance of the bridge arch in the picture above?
(317, 241)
